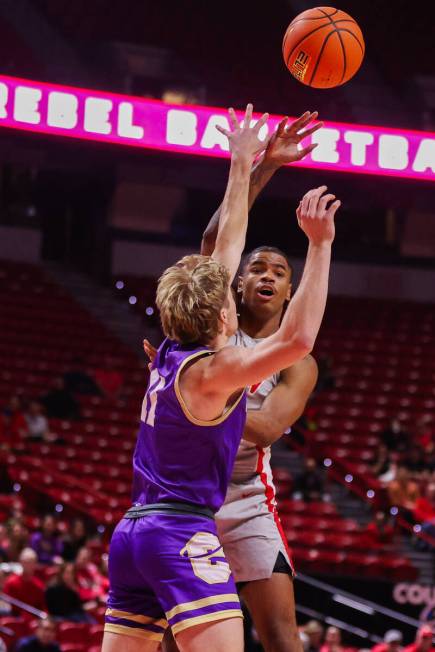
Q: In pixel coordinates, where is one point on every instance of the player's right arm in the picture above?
(235, 367)
(245, 145)
(282, 148)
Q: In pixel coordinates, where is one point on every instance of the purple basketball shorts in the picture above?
(167, 570)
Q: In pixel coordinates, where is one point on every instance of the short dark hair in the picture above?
(266, 249)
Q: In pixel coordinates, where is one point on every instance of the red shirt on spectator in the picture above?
(415, 647)
(424, 510)
(27, 589)
(380, 647)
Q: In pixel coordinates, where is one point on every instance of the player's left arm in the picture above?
(284, 405)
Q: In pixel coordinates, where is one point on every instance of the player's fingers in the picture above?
(333, 208)
(305, 202)
(324, 201)
(233, 118)
(248, 116)
(307, 132)
(314, 201)
(281, 126)
(223, 131)
(299, 122)
(306, 150)
(262, 121)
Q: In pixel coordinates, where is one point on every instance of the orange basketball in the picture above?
(323, 47)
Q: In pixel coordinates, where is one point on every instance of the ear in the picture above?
(223, 317)
(240, 284)
(289, 292)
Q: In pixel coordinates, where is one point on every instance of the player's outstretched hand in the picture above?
(283, 144)
(150, 352)
(316, 213)
(244, 139)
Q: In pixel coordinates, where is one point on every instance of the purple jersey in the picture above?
(179, 458)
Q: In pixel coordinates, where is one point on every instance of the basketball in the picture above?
(323, 47)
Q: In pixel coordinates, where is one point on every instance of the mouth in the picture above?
(265, 292)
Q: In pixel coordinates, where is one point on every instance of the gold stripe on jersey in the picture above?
(200, 422)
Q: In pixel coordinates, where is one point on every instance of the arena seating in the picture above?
(91, 472)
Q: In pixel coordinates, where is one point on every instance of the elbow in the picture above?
(303, 343)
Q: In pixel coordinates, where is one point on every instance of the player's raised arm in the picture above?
(234, 367)
(282, 148)
(245, 145)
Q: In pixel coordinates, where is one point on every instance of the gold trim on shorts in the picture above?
(203, 602)
(198, 620)
(133, 631)
(137, 618)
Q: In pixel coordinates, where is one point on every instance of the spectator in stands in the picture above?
(424, 435)
(332, 641)
(60, 403)
(37, 422)
(314, 631)
(326, 377)
(75, 539)
(109, 379)
(18, 539)
(309, 484)
(62, 597)
(423, 641)
(404, 493)
(382, 460)
(424, 512)
(392, 642)
(3, 647)
(5, 607)
(4, 543)
(380, 531)
(44, 639)
(92, 585)
(14, 421)
(78, 381)
(395, 437)
(26, 587)
(413, 460)
(46, 543)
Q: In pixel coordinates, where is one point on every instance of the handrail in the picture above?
(373, 606)
(336, 622)
(23, 605)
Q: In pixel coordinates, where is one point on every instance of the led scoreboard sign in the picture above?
(151, 124)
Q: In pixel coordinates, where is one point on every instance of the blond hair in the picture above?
(190, 296)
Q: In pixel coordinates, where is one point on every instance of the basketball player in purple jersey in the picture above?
(248, 523)
(166, 564)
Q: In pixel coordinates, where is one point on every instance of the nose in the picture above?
(267, 277)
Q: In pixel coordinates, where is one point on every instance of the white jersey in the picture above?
(248, 523)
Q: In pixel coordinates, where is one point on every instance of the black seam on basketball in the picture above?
(320, 56)
(335, 22)
(344, 55)
(298, 20)
(303, 39)
(343, 29)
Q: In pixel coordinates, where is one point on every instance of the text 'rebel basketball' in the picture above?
(323, 47)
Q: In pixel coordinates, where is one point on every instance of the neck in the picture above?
(256, 325)
(219, 342)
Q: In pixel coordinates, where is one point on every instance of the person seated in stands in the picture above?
(62, 597)
(15, 426)
(423, 640)
(74, 539)
(333, 641)
(92, 585)
(4, 543)
(413, 460)
(380, 531)
(424, 512)
(404, 493)
(395, 437)
(37, 422)
(18, 538)
(108, 378)
(309, 484)
(3, 647)
(382, 460)
(44, 639)
(60, 403)
(424, 434)
(26, 587)
(314, 630)
(78, 381)
(326, 378)
(392, 642)
(5, 607)
(46, 543)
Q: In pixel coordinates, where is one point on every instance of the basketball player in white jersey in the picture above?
(248, 523)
